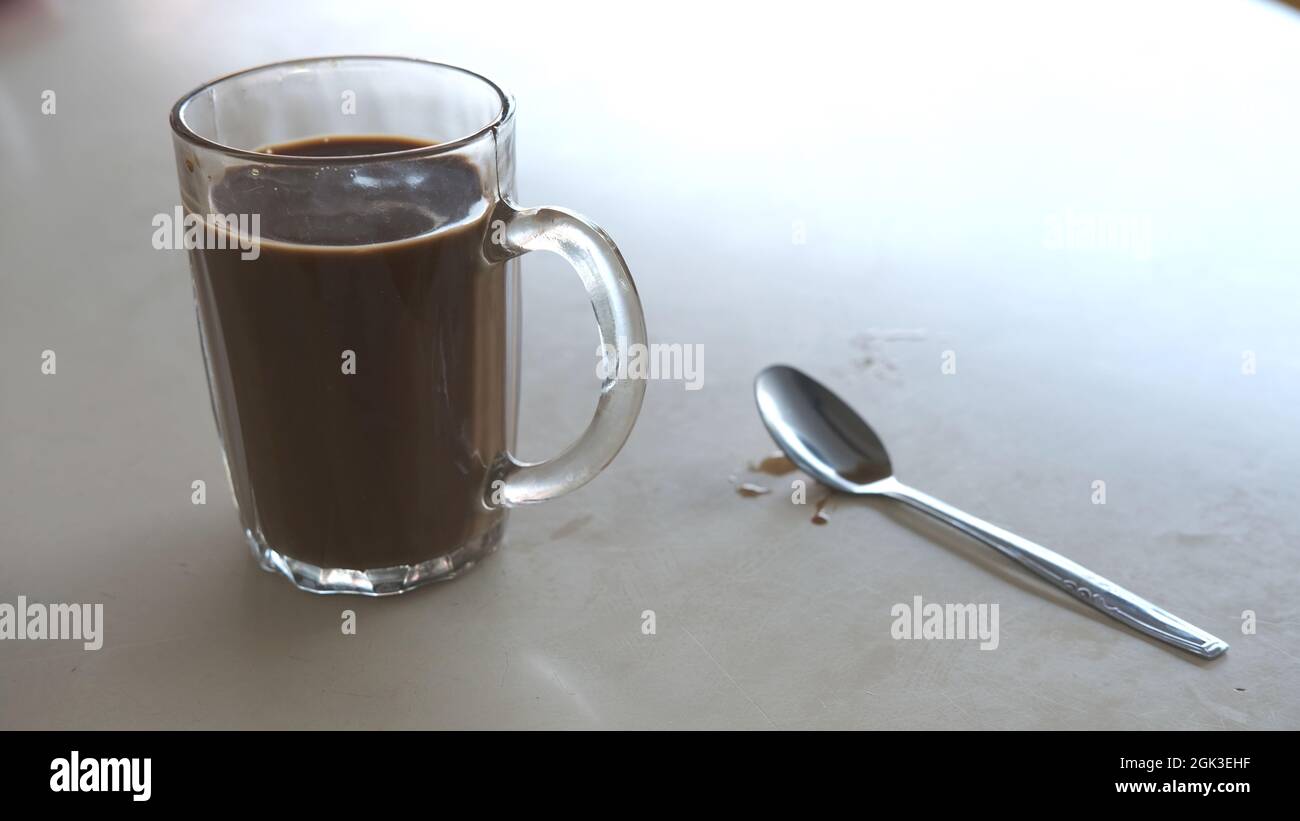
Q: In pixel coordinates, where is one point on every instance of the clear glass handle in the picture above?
(621, 324)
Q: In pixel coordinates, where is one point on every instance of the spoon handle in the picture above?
(1097, 591)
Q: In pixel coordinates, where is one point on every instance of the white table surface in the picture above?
(924, 153)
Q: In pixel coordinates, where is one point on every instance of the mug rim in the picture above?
(182, 129)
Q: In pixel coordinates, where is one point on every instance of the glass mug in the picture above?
(355, 245)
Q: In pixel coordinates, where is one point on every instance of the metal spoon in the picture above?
(831, 443)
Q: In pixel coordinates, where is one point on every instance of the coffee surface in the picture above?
(380, 263)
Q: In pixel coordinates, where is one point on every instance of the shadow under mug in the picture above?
(357, 292)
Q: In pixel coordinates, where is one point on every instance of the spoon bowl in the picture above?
(819, 432)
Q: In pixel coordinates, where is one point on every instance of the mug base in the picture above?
(381, 581)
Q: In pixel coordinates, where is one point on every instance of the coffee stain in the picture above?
(777, 463)
(873, 358)
(884, 368)
(819, 516)
(871, 335)
(774, 464)
(567, 529)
